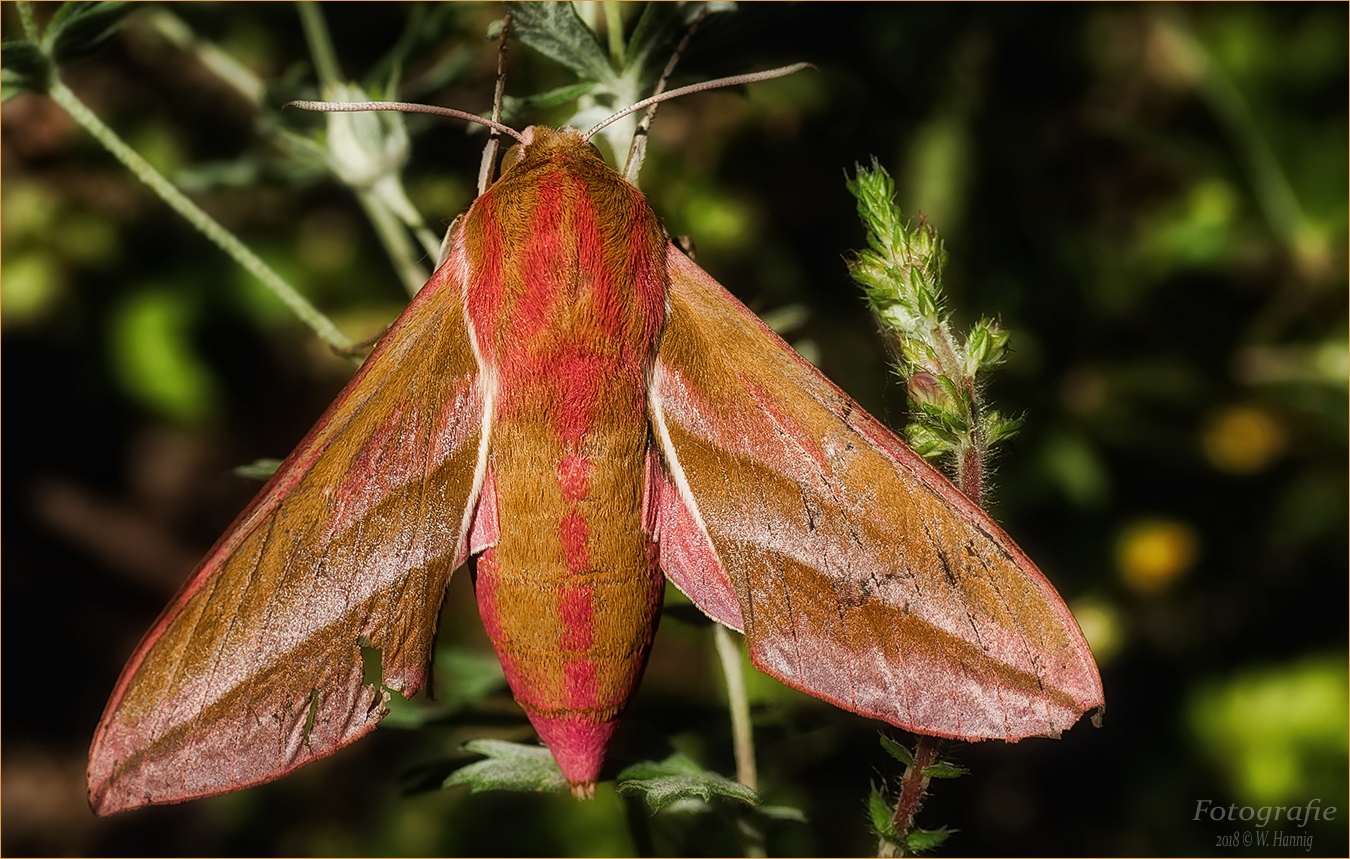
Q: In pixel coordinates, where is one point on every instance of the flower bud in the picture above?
(927, 390)
(366, 146)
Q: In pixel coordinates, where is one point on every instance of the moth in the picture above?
(576, 410)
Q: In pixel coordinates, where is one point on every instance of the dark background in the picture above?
(1152, 198)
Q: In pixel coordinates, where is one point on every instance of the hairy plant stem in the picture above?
(913, 786)
(970, 480)
(204, 223)
(974, 449)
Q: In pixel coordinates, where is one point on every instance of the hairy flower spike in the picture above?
(901, 274)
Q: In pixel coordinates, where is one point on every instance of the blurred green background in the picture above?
(1153, 199)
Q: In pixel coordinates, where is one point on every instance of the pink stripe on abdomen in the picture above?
(577, 612)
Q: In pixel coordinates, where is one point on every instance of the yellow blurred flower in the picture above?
(1102, 626)
(1242, 439)
(1151, 554)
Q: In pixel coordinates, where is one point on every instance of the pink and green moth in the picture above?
(579, 413)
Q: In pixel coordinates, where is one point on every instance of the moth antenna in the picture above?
(637, 150)
(404, 107)
(485, 169)
(734, 80)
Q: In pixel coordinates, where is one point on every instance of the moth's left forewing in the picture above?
(862, 576)
(256, 667)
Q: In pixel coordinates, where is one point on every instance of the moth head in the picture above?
(542, 140)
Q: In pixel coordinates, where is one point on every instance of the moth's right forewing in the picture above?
(256, 666)
(862, 575)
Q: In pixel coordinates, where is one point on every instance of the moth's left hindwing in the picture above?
(858, 573)
(256, 667)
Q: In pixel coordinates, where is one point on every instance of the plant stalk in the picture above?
(205, 224)
(913, 785)
(320, 44)
(397, 244)
(739, 703)
(30, 29)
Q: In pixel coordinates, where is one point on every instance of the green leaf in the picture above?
(978, 343)
(986, 345)
(998, 428)
(944, 769)
(513, 105)
(509, 766)
(677, 778)
(922, 840)
(882, 815)
(258, 469)
(676, 764)
(556, 31)
(783, 812)
(925, 442)
(897, 750)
